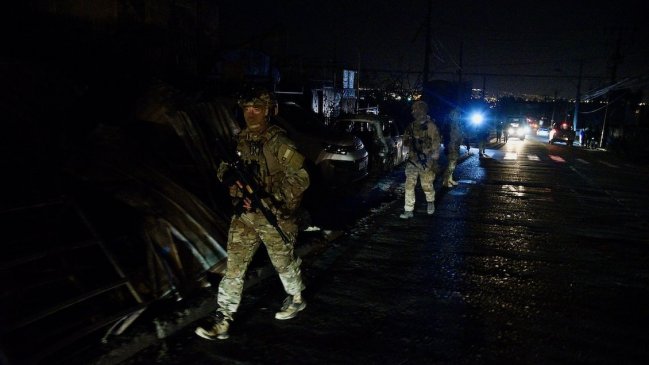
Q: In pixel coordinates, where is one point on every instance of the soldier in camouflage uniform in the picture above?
(452, 148)
(423, 141)
(279, 170)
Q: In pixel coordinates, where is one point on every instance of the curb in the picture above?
(193, 309)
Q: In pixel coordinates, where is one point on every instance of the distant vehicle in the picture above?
(336, 157)
(380, 135)
(517, 127)
(543, 131)
(562, 132)
(544, 122)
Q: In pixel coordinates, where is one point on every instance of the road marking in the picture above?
(557, 158)
(511, 156)
(533, 158)
(459, 191)
(609, 164)
(583, 161)
(514, 190)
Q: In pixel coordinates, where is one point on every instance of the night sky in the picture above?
(521, 46)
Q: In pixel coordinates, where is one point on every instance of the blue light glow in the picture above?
(477, 118)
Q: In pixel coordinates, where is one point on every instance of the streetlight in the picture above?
(477, 118)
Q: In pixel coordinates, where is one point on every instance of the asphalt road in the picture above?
(539, 256)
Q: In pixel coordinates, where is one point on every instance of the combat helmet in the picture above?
(420, 106)
(258, 96)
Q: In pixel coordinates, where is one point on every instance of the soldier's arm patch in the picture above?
(290, 157)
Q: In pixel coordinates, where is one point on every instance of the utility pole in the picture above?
(358, 79)
(578, 97)
(554, 107)
(459, 77)
(484, 87)
(601, 135)
(427, 45)
(459, 69)
(613, 61)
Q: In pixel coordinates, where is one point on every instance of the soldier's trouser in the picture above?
(245, 234)
(448, 174)
(426, 176)
(482, 145)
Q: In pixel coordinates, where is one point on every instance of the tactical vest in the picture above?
(271, 153)
(425, 141)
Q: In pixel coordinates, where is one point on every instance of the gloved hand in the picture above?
(244, 205)
(236, 189)
(248, 204)
(229, 177)
(423, 161)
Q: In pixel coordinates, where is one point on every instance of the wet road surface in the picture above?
(539, 256)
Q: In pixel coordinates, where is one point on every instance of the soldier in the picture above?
(499, 131)
(482, 134)
(452, 148)
(423, 141)
(278, 169)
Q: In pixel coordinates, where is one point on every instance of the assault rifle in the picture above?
(421, 157)
(244, 179)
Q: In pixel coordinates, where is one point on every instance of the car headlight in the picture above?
(477, 118)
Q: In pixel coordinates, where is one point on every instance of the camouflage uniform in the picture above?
(423, 141)
(452, 148)
(279, 170)
(483, 134)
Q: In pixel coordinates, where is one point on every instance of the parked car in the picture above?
(562, 132)
(380, 135)
(335, 157)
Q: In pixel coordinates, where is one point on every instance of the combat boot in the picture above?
(431, 208)
(290, 308)
(216, 328)
(406, 214)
